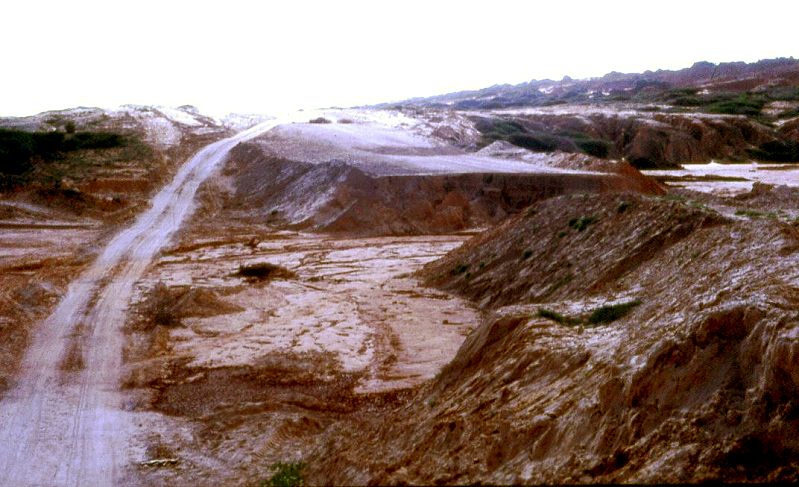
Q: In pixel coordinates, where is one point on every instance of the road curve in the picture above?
(72, 429)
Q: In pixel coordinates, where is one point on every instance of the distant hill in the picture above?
(775, 77)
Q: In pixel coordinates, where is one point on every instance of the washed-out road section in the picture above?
(64, 422)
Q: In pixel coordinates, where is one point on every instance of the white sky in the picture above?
(259, 56)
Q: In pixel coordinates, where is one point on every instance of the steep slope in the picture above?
(695, 382)
(368, 179)
(645, 139)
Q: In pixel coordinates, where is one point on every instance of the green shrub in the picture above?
(285, 475)
(582, 222)
(262, 271)
(557, 317)
(459, 269)
(612, 312)
(594, 147)
(535, 142)
(743, 104)
(777, 151)
(16, 151)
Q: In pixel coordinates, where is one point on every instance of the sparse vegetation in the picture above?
(793, 112)
(459, 269)
(609, 313)
(160, 307)
(594, 147)
(557, 317)
(582, 222)
(262, 271)
(754, 214)
(748, 104)
(777, 151)
(541, 140)
(743, 104)
(286, 474)
(21, 151)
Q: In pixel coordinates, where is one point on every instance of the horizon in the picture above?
(253, 58)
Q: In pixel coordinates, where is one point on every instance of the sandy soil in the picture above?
(350, 329)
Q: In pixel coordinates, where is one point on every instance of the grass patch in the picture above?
(286, 474)
(610, 313)
(754, 214)
(582, 222)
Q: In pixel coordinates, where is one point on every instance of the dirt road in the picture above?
(64, 422)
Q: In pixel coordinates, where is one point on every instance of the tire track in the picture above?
(75, 432)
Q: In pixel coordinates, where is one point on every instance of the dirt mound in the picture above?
(338, 196)
(564, 247)
(168, 306)
(697, 382)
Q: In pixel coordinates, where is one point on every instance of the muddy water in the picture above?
(732, 178)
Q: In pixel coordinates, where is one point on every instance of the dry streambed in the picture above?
(246, 369)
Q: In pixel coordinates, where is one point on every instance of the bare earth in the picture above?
(337, 358)
(64, 421)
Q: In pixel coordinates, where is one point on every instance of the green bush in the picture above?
(459, 269)
(777, 151)
(743, 104)
(594, 147)
(557, 317)
(16, 151)
(262, 271)
(285, 475)
(535, 142)
(610, 313)
(582, 222)
(794, 112)
(93, 140)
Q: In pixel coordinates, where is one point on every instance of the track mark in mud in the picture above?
(71, 429)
